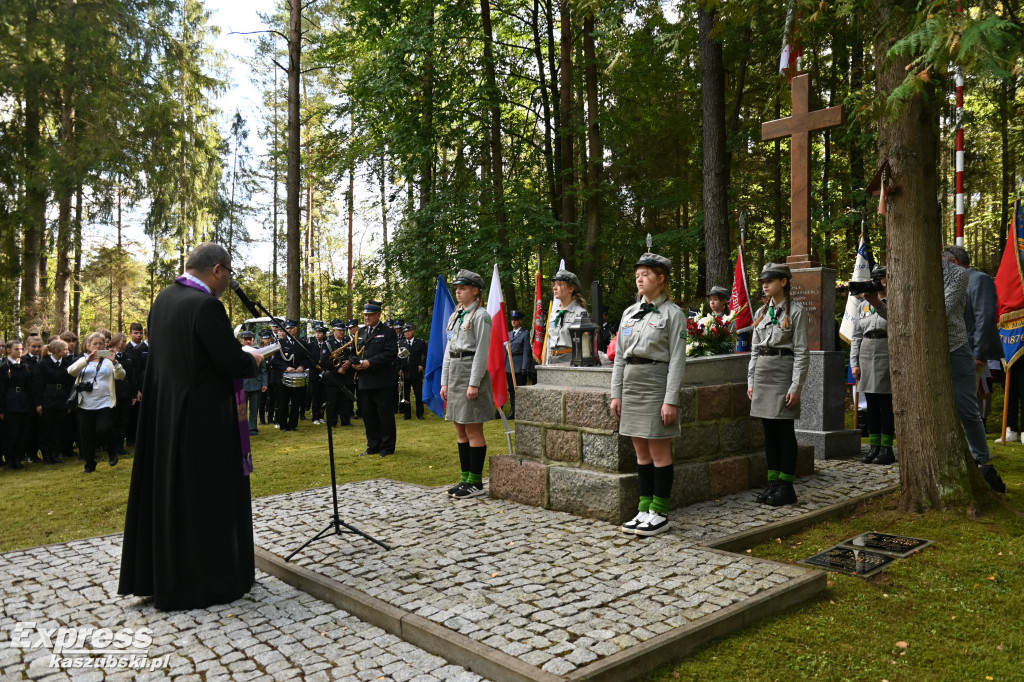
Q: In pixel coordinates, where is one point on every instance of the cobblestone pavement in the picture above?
(273, 633)
(555, 590)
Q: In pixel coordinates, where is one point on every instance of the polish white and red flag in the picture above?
(792, 51)
(740, 297)
(499, 341)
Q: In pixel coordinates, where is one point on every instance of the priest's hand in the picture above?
(472, 392)
(617, 408)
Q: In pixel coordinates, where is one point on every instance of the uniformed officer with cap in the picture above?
(268, 399)
(775, 377)
(650, 359)
(522, 359)
(291, 366)
(566, 288)
(465, 382)
(321, 351)
(335, 376)
(377, 349)
(414, 366)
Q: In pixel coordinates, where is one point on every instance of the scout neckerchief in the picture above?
(188, 280)
(644, 309)
(460, 314)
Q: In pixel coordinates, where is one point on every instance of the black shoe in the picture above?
(89, 468)
(469, 490)
(368, 452)
(783, 495)
(992, 478)
(873, 454)
(15, 466)
(405, 419)
(886, 456)
(113, 459)
(763, 496)
(420, 416)
(455, 488)
(385, 453)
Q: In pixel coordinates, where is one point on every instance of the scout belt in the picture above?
(776, 351)
(643, 361)
(461, 354)
(874, 334)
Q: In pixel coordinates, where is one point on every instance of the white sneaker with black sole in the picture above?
(654, 523)
(631, 525)
(470, 490)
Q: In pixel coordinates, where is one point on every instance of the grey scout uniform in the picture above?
(559, 338)
(778, 361)
(469, 338)
(869, 350)
(659, 336)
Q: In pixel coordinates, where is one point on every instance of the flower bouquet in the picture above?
(710, 334)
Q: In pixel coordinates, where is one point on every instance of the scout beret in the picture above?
(372, 307)
(775, 271)
(878, 272)
(719, 291)
(653, 260)
(469, 278)
(566, 276)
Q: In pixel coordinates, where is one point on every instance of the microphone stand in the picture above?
(335, 526)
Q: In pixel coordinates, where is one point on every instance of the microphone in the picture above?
(246, 301)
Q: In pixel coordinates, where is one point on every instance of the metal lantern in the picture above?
(584, 342)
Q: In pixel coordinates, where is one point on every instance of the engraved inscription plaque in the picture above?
(895, 545)
(851, 561)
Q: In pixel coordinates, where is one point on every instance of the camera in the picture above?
(85, 386)
(865, 287)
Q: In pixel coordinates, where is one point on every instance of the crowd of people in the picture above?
(60, 400)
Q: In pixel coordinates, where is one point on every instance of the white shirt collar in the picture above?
(193, 278)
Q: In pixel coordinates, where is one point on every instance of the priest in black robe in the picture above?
(188, 538)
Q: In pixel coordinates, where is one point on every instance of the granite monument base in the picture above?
(822, 408)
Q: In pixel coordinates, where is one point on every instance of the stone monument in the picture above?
(823, 403)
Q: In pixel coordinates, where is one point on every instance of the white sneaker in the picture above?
(654, 523)
(631, 525)
(1012, 436)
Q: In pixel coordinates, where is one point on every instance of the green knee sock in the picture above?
(788, 478)
(773, 475)
(659, 504)
(474, 478)
(875, 439)
(645, 503)
(464, 477)
(886, 440)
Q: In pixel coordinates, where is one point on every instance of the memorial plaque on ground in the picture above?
(851, 561)
(896, 545)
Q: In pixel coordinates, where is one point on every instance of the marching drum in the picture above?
(294, 379)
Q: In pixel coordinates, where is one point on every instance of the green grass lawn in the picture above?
(953, 612)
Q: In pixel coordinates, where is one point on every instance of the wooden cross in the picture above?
(799, 126)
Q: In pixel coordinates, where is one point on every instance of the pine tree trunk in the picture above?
(35, 180)
(293, 180)
(716, 224)
(595, 154)
(935, 467)
(566, 132)
(545, 100)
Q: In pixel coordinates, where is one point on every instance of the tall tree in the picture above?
(716, 172)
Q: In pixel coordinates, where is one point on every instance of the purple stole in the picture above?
(240, 400)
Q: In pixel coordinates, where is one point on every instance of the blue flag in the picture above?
(444, 306)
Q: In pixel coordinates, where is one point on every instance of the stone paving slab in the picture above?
(274, 633)
(555, 591)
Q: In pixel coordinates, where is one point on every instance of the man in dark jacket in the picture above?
(522, 358)
(413, 369)
(378, 352)
(188, 538)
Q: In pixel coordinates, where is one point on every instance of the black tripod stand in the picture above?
(336, 526)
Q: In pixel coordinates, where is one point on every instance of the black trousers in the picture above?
(51, 432)
(880, 416)
(413, 386)
(318, 393)
(780, 445)
(32, 435)
(95, 429)
(14, 436)
(289, 402)
(122, 415)
(377, 406)
(268, 405)
(339, 404)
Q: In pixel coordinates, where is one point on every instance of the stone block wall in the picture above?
(570, 456)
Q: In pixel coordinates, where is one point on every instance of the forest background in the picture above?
(515, 132)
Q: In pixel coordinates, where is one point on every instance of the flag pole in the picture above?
(1006, 406)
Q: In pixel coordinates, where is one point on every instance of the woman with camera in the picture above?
(869, 362)
(95, 375)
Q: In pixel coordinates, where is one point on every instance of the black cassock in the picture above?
(188, 537)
